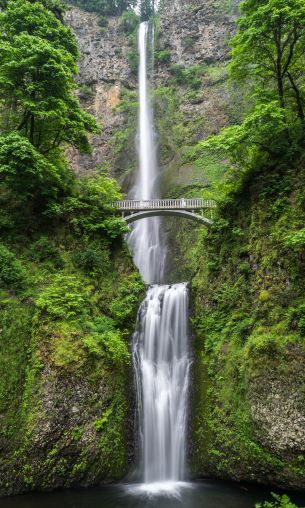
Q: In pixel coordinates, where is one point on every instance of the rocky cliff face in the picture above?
(103, 71)
(195, 31)
(195, 36)
(277, 406)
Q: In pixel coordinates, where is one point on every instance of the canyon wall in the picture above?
(68, 419)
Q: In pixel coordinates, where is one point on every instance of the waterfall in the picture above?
(161, 359)
(145, 239)
(160, 343)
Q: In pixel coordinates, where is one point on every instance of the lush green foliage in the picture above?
(40, 114)
(280, 502)
(28, 176)
(38, 60)
(63, 265)
(64, 297)
(12, 273)
(129, 21)
(89, 209)
(187, 76)
(271, 34)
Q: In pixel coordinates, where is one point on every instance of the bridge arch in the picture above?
(193, 209)
(177, 213)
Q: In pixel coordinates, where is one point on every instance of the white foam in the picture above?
(167, 488)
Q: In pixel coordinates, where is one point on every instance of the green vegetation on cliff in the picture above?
(249, 286)
(68, 289)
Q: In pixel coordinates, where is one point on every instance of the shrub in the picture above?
(12, 273)
(189, 42)
(104, 339)
(129, 21)
(266, 341)
(279, 502)
(26, 172)
(133, 60)
(45, 250)
(92, 260)
(89, 211)
(296, 240)
(100, 423)
(103, 21)
(296, 318)
(122, 307)
(86, 92)
(187, 76)
(163, 56)
(244, 268)
(63, 298)
(109, 343)
(194, 97)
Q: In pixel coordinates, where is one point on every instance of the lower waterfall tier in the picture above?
(162, 364)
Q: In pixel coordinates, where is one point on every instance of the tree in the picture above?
(55, 6)
(88, 209)
(37, 19)
(264, 129)
(37, 64)
(269, 49)
(28, 176)
(268, 55)
(105, 7)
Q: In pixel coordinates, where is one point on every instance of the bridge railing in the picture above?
(164, 204)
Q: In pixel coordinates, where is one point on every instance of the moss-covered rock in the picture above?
(65, 369)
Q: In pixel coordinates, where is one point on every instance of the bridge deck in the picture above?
(164, 204)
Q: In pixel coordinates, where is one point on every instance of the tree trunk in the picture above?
(32, 129)
(279, 61)
(298, 97)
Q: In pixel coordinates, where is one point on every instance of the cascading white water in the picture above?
(161, 358)
(145, 238)
(160, 344)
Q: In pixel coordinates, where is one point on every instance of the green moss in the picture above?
(16, 332)
(112, 443)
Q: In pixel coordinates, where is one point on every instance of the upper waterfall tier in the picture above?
(145, 239)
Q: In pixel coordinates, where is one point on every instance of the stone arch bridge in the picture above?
(194, 209)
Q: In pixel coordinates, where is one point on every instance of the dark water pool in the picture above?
(205, 494)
